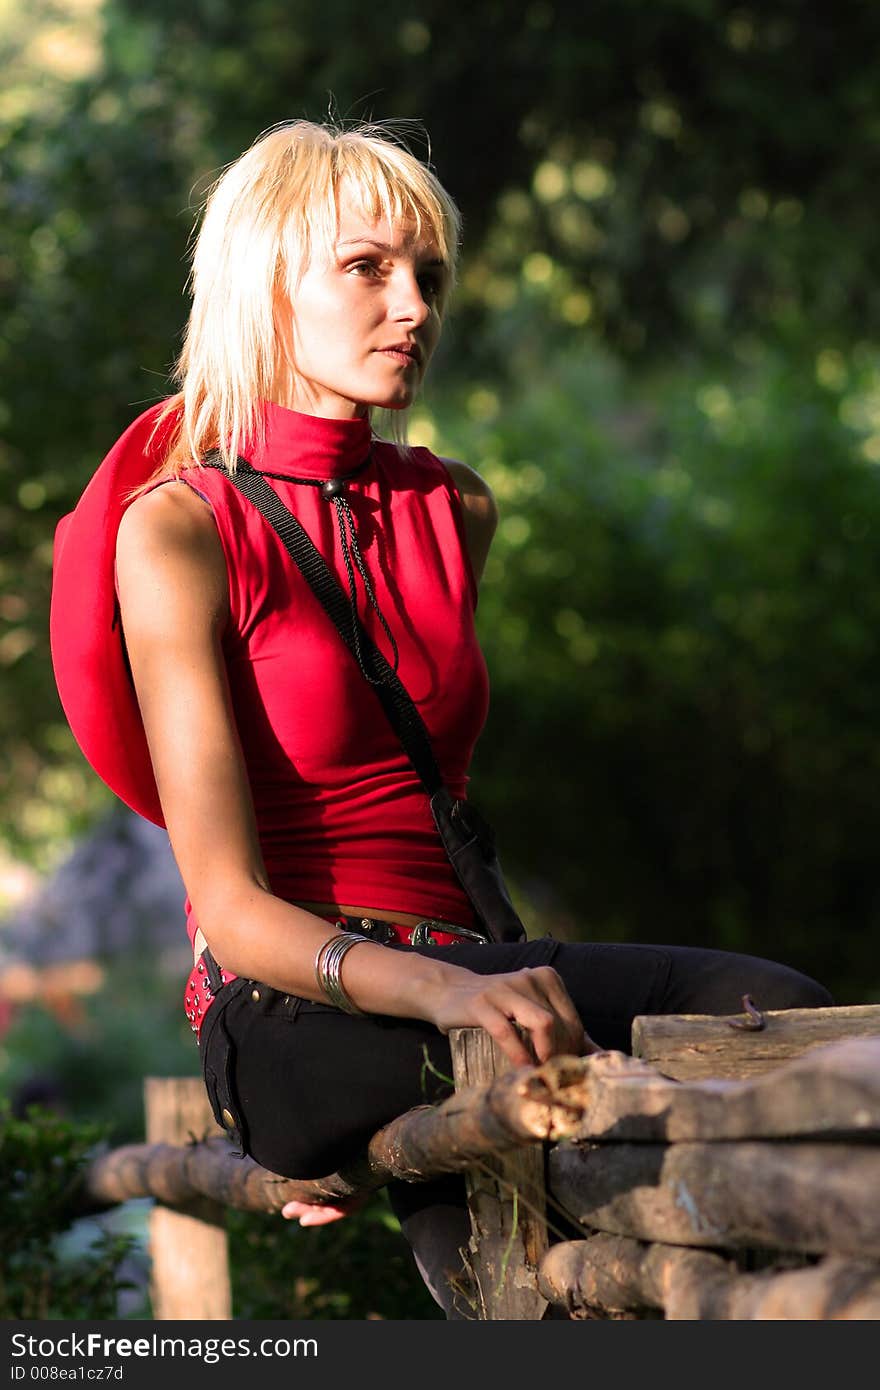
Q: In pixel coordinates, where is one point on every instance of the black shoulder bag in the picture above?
(467, 837)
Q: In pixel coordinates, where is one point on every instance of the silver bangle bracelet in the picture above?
(328, 964)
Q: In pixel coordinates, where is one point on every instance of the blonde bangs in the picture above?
(385, 181)
(265, 218)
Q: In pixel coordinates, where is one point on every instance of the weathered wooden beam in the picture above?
(614, 1274)
(691, 1047)
(506, 1198)
(209, 1168)
(188, 1245)
(810, 1197)
(831, 1091)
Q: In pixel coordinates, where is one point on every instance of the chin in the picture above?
(399, 400)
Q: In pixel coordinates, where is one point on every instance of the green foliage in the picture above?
(41, 1158)
(680, 618)
(355, 1268)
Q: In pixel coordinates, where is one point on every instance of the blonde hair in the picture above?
(267, 215)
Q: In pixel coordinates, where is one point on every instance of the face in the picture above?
(363, 324)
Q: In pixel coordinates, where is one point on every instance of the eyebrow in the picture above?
(382, 246)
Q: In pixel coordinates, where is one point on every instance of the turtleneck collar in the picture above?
(310, 446)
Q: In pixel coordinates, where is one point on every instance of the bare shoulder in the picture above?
(168, 550)
(169, 515)
(476, 495)
(480, 511)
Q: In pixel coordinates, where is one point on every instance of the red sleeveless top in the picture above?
(341, 814)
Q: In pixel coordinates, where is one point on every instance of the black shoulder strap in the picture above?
(399, 708)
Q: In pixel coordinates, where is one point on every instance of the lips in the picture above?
(405, 352)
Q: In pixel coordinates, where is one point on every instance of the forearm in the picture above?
(264, 938)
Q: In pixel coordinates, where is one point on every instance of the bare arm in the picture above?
(174, 599)
(479, 510)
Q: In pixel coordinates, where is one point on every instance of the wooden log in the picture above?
(615, 1274)
(506, 1199)
(809, 1197)
(176, 1174)
(837, 1289)
(188, 1243)
(691, 1047)
(831, 1091)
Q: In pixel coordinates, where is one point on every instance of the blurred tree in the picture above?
(680, 614)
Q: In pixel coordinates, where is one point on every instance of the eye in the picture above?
(364, 269)
(431, 287)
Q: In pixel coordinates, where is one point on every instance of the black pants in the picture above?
(310, 1085)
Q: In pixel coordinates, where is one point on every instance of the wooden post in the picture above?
(188, 1243)
(507, 1202)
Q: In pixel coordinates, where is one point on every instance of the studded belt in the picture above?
(206, 978)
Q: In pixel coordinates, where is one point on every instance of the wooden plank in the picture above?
(810, 1197)
(188, 1243)
(831, 1091)
(506, 1200)
(615, 1274)
(691, 1047)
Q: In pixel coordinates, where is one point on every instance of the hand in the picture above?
(319, 1213)
(534, 1001)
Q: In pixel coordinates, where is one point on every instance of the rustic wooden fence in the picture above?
(729, 1169)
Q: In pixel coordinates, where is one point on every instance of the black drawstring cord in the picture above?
(333, 490)
(345, 518)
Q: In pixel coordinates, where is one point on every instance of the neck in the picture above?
(293, 392)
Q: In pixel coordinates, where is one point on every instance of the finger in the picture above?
(551, 985)
(513, 1012)
(552, 1032)
(322, 1216)
(311, 1213)
(505, 1032)
(536, 999)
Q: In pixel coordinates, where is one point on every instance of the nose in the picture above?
(408, 304)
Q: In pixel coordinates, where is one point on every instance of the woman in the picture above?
(321, 275)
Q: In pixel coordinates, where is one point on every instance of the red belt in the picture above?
(199, 993)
